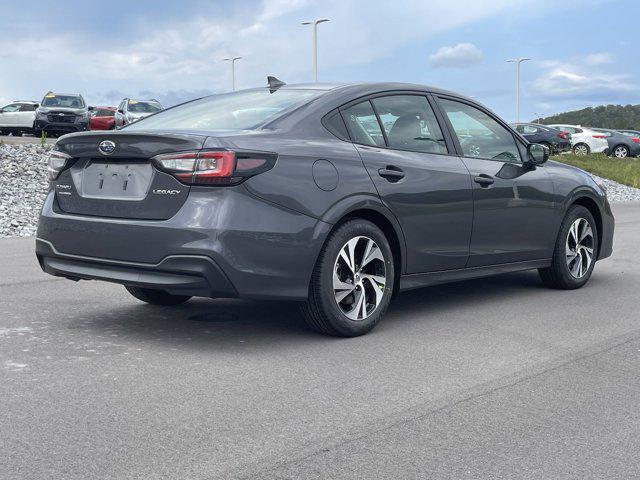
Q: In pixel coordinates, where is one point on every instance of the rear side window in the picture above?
(27, 107)
(529, 129)
(363, 124)
(335, 124)
(410, 124)
(479, 134)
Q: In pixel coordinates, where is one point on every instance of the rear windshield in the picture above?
(137, 106)
(67, 101)
(238, 110)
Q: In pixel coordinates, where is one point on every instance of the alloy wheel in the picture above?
(579, 248)
(359, 278)
(581, 150)
(620, 151)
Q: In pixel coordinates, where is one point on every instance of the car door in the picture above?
(119, 116)
(417, 175)
(514, 212)
(26, 115)
(9, 115)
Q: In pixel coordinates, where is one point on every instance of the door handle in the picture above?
(483, 180)
(391, 173)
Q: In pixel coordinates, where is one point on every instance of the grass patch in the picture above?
(621, 170)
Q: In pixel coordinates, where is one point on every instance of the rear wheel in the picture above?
(581, 149)
(621, 151)
(575, 251)
(156, 297)
(352, 282)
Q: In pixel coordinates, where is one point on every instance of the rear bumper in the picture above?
(222, 242)
(177, 274)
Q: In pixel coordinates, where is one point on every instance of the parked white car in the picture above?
(584, 140)
(17, 117)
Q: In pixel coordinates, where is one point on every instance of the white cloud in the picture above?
(583, 77)
(185, 54)
(596, 59)
(461, 55)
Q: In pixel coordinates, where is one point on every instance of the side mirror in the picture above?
(537, 154)
(91, 108)
(120, 111)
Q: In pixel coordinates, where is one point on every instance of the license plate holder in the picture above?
(116, 181)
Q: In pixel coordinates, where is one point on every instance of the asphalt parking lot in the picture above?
(493, 378)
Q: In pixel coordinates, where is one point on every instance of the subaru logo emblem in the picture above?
(106, 147)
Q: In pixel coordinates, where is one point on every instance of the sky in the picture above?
(583, 52)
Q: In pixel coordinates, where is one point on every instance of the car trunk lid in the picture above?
(112, 175)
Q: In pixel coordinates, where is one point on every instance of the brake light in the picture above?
(56, 162)
(215, 167)
(563, 135)
(635, 139)
(599, 136)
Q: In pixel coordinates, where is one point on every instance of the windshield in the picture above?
(136, 106)
(66, 101)
(243, 110)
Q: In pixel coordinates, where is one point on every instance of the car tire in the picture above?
(620, 151)
(156, 297)
(581, 149)
(575, 252)
(346, 300)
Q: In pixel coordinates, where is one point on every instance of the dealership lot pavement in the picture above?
(483, 379)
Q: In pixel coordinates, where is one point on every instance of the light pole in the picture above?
(518, 61)
(315, 43)
(538, 117)
(233, 70)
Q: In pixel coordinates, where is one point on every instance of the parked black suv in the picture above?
(555, 140)
(61, 113)
(332, 195)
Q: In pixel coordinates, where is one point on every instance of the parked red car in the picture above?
(102, 118)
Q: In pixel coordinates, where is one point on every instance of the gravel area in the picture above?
(23, 181)
(23, 177)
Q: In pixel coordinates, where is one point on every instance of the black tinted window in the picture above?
(410, 124)
(27, 107)
(334, 123)
(363, 124)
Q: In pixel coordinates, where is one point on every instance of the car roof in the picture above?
(365, 87)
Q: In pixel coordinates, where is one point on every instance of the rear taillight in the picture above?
(563, 135)
(215, 167)
(599, 136)
(56, 162)
(635, 139)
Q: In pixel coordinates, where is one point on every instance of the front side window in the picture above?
(27, 107)
(244, 110)
(363, 124)
(410, 124)
(136, 106)
(479, 134)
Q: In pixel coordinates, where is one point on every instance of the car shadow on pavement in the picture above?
(216, 324)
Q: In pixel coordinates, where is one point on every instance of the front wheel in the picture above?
(352, 281)
(156, 297)
(575, 252)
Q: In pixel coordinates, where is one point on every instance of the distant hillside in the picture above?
(604, 116)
